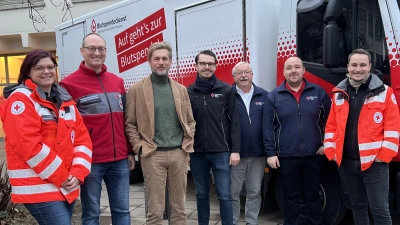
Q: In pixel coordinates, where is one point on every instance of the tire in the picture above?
(333, 207)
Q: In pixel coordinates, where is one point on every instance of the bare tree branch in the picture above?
(35, 16)
(38, 18)
(66, 6)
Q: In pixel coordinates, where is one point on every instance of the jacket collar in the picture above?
(282, 87)
(85, 70)
(218, 84)
(60, 92)
(256, 91)
(375, 86)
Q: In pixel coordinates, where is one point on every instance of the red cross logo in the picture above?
(378, 117)
(93, 26)
(17, 107)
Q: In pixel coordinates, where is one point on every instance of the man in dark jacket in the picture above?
(217, 137)
(250, 170)
(298, 111)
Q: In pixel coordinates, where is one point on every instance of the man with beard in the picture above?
(217, 138)
(250, 170)
(160, 127)
(297, 112)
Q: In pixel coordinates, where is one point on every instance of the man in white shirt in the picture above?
(250, 170)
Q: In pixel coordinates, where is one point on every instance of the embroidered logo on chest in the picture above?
(378, 117)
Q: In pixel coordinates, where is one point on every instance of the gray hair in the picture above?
(239, 64)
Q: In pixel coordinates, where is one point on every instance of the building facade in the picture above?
(29, 24)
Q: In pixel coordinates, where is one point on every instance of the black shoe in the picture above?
(279, 224)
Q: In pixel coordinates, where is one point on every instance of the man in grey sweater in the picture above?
(160, 127)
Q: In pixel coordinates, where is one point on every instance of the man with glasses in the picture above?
(217, 137)
(250, 170)
(100, 99)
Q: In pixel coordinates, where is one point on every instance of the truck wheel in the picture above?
(135, 176)
(333, 206)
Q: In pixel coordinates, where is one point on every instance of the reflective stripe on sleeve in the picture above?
(46, 173)
(82, 161)
(329, 145)
(83, 149)
(44, 152)
(390, 145)
(390, 133)
(329, 135)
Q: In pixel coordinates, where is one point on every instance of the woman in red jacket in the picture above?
(48, 147)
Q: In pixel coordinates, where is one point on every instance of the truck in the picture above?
(262, 32)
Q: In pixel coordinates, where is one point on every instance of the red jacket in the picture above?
(378, 125)
(43, 145)
(99, 98)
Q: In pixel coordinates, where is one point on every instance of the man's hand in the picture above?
(71, 183)
(273, 162)
(320, 151)
(131, 161)
(234, 159)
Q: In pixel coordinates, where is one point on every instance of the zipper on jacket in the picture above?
(205, 122)
(301, 130)
(222, 127)
(111, 117)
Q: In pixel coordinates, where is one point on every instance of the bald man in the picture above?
(294, 137)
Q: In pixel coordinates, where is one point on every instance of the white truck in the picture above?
(262, 32)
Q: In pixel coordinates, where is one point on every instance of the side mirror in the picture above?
(333, 10)
(305, 6)
(330, 50)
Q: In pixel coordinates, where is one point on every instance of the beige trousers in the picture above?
(166, 168)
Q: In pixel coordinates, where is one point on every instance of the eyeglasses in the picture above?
(243, 72)
(203, 64)
(93, 49)
(40, 69)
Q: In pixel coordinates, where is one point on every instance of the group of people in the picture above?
(87, 129)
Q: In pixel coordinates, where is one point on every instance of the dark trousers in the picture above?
(301, 174)
(367, 187)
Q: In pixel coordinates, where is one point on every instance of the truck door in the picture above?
(217, 26)
(71, 41)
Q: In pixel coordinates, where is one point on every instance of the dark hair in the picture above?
(206, 52)
(362, 52)
(89, 34)
(31, 59)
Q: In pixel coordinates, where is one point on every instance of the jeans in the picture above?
(55, 212)
(200, 165)
(251, 172)
(156, 169)
(367, 187)
(116, 178)
(301, 175)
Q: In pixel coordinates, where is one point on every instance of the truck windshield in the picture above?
(360, 26)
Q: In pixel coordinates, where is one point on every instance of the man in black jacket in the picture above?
(217, 137)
